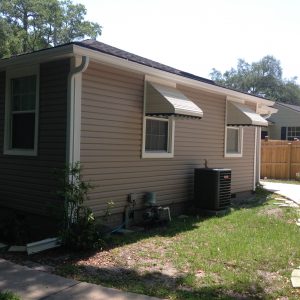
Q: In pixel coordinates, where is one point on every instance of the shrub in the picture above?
(79, 230)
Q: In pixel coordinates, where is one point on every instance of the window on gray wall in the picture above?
(293, 132)
(21, 111)
(23, 104)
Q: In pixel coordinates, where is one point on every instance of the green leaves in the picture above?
(30, 25)
(79, 230)
(262, 78)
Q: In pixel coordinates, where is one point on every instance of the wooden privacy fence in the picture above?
(280, 159)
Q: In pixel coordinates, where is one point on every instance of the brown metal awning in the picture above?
(239, 114)
(168, 101)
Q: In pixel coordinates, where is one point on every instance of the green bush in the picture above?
(82, 234)
(79, 230)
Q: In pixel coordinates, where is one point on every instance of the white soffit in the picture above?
(168, 101)
(239, 114)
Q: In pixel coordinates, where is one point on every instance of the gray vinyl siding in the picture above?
(111, 143)
(285, 117)
(27, 183)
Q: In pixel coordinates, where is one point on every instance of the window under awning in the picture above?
(168, 101)
(239, 114)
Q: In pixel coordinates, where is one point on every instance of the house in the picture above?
(285, 124)
(135, 125)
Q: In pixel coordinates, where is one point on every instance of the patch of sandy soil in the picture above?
(141, 260)
(273, 281)
(275, 212)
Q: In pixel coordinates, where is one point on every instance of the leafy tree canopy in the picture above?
(262, 78)
(29, 25)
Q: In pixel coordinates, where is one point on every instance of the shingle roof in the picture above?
(110, 50)
(104, 48)
(294, 107)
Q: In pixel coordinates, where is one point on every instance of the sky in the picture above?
(198, 35)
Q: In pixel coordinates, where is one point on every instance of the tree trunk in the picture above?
(25, 28)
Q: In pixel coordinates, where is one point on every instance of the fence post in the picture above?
(289, 153)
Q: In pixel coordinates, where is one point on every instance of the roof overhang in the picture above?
(266, 110)
(137, 67)
(168, 101)
(69, 50)
(239, 114)
(44, 55)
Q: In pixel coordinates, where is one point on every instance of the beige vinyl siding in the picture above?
(28, 183)
(111, 141)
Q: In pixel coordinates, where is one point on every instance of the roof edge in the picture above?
(117, 52)
(288, 106)
(46, 54)
(79, 48)
(179, 79)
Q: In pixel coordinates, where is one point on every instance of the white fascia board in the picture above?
(38, 56)
(71, 49)
(126, 64)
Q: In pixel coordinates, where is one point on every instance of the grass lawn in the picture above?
(248, 254)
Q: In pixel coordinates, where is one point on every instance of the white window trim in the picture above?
(11, 74)
(171, 135)
(240, 141)
(241, 135)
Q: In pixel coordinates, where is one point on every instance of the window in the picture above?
(292, 133)
(21, 113)
(158, 137)
(234, 141)
(263, 134)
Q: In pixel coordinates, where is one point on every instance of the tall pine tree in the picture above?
(29, 25)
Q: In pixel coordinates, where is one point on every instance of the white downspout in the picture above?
(255, 161)
(259, 155)
(74, 115)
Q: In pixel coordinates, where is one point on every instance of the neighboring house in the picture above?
(135, 125)
(285, 124)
